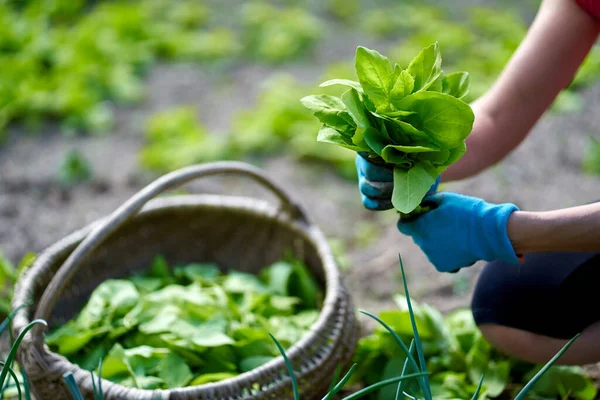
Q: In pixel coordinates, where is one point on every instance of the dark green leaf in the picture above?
(248, 364)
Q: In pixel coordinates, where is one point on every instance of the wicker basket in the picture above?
(237, 232)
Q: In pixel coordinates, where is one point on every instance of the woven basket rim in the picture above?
(310, 232)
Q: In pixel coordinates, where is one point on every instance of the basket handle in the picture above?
(131, 207)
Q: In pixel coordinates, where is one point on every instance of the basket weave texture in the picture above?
(234, 232)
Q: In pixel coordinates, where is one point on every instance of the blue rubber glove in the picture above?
(376, 184)
(461, 230)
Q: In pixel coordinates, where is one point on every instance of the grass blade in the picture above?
(6, 323)
(400, 390)
(336, 375)
(409, 396)
(14, 376)
(478, 388)
(100, 392)
(25, 384)
(412, 360)
(73, 388)
(379, 385)
(13, 350)
(542, 371)
(341, 383)
(94, 385)
(427, 388)
(289, 367)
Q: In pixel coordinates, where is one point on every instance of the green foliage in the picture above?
(457, 357)
(74, 169)
(195, 325)
(275, 35)
(343, 10)
(412, 119)
(280, 124)
(175, 138)
(463, 354)
(591, 160)
(9, 274)
(64, 62)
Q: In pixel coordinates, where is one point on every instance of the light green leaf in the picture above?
(343, 82)
(174, 371)
(457, 153)
(358, 112)
(446, 120)
(212, 377)
(331, 135)
(457, 84)
(438, 84)
(112, 298)
(194, 271)
(403, 86)
(373, 71)
(426, 67)
(329, 110)
(410, 186)
(240, 282)
(564, 382)
(162, 321)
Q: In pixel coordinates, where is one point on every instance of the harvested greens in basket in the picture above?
(189, 327)
(412, 119)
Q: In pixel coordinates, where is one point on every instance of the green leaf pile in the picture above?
(457, 356)
(193, 326)
(412, 119)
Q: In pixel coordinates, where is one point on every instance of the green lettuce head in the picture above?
(412, 120)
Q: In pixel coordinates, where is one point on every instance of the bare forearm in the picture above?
(571, 229)
(544, 64)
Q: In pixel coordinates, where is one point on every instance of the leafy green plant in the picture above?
(64, 60)
(74, 169)
(280, 124)
(175, 138)
(413, 379)
(457, 357)
(410, 119)
(343, 10)
(275, 35)
(193, 326)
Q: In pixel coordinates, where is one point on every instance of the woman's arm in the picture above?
(569, 229)
(556, 44)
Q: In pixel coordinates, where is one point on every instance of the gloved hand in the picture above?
(376, 183)
(461, 230)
